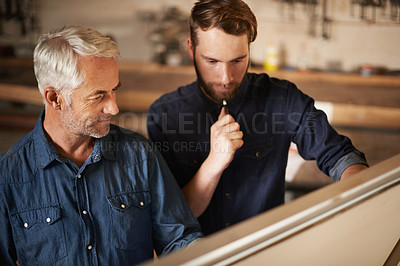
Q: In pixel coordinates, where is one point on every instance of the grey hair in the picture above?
(56, 57)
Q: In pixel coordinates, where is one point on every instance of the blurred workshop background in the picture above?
(343, 53)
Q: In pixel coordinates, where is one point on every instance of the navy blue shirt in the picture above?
(272, 113)
(114, 210)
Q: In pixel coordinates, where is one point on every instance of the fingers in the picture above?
(225, 139)
(229, 128)
(226, 124)
(224, 119)
(221, 114)
(226, 133)
(236, 135)
(226, 146)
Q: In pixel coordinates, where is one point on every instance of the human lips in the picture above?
(223, 88)
(104, 120)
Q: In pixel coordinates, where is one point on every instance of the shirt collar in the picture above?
(107, 146)
(46, 153)
(44, 149)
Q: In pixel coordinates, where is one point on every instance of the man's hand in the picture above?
(225, 139)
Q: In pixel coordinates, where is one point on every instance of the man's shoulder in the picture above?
(120, 134)
(263, 86)
(126, 141)
(22, 146)
(19, 160)
(262, 80)
(170, 100)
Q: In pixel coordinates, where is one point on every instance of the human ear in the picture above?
(52, 98)
(190, 48)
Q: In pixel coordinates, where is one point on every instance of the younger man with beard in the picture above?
(77, 190)
(241, 172)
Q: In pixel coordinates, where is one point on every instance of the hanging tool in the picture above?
(325, 21)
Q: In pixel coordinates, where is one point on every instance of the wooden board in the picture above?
(353, 222)
(140, 101)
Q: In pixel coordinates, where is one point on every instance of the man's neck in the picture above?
(72, 146)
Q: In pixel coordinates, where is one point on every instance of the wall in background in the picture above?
(351, 41)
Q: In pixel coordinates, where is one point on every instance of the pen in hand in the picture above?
(225, 106)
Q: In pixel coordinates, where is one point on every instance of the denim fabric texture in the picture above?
(272, 113)
(114, 210)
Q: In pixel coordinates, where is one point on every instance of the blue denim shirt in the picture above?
(114, 210)
(272, 113)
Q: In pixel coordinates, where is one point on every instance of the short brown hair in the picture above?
(232, 16)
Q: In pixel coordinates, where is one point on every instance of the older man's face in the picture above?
(93, 104)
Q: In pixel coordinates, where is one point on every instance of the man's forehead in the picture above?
(216, 44)
(218, 32)
(94, 61)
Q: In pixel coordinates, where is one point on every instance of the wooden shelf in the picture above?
(370, 101)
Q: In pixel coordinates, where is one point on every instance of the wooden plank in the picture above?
(136, 101)
(140, 101)
(320, 228)
(365, 116)
(394, 257)
(128, 100)
(362, 235)
(375, 90)
(20, 93)
(18, 121)
(351, 115)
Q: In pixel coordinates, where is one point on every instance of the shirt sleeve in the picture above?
(316, 139)
(7, 249)
(154, 125)
(354, 157)
(174, 224)
(155, 132)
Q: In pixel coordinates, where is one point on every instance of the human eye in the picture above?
(238, 60)
(116, 88)
(98, 97)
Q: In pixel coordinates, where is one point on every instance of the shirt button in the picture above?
(97, 156)
(25, 225)
(123, 206)
(227, 195)
(89, 247)
(79, 176)
(141, 203)
(84, 212)
(227, 224)
(258, 154)
(48, 220)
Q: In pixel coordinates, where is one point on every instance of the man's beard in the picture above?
(218, 96)
(84, 127)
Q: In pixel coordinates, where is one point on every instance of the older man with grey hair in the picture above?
(77, 190)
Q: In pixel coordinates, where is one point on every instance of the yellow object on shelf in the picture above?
(271, 61)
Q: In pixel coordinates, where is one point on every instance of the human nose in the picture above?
(111, 106)
(226, 74)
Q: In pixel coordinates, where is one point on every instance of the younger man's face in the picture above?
(221, 61)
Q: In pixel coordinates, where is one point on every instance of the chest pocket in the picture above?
(130, 218)
(257, 151)
(257, 157)
(40, 234)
